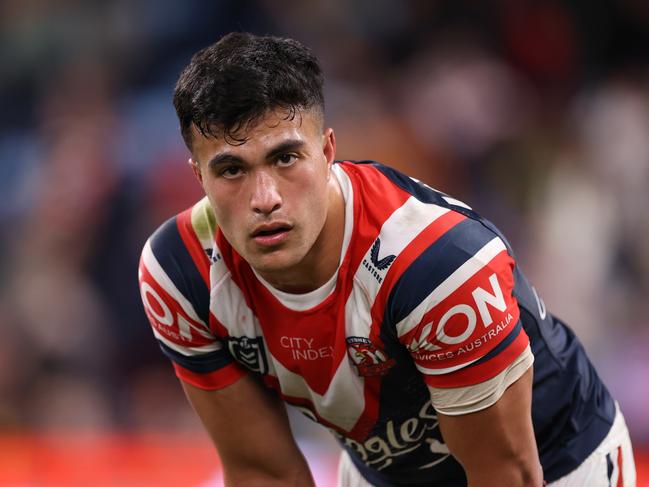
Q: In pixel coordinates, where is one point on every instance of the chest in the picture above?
(318, 358)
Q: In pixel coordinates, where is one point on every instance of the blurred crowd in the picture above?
(534, 113)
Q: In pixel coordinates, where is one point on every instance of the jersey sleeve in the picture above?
(455, 309)
(176, 301)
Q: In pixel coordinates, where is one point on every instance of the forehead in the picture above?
(260, 136)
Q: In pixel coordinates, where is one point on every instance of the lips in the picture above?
(271, 234)
(271, 229)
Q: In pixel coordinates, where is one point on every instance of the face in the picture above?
(271, 195)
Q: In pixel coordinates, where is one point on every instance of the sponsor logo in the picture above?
(305, 348)
(423, 354)
(168, 320)
(375, 265)
(368, 359)
(401, 437)
(250, 352)
(380, 264)
(468, 314)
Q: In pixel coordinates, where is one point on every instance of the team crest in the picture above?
(250, 352)
(369, 360)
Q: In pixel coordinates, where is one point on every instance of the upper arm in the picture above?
(455, 308)
(458, 316)
(250, 429)
(496, 446)
(247, 424)
(176, 302)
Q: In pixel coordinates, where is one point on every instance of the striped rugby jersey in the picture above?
(427, 294)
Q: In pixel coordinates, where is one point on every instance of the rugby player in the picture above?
(385, 310)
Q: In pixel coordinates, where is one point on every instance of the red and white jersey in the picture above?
(423, 297)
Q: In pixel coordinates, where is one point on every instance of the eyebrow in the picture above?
(228, 158)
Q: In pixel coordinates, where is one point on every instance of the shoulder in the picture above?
(435, 239)
(192, 227)
(429, 224)
(370, 173)
(176, 257)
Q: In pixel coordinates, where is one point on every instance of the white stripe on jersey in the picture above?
(160, 276)
(462, 274)
(229, 306)
(447, 370)
(343, 402)
(358, 319)
(453, 201)
(448, 199)
(188, 351)
(397, 232)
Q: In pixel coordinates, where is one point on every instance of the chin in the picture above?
(273, 262)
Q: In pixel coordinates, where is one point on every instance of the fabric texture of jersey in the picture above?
(427, 294)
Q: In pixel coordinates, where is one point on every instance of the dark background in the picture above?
(536, 113)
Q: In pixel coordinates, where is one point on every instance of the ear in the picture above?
(329, 146)
(196, 169)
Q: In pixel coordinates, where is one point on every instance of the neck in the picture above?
(321, 262)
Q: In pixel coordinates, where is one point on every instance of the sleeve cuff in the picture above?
(465, 400)
(211, 381)
(481, 371)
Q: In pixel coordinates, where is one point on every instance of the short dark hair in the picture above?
(238, 79)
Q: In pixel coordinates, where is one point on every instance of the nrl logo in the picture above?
(369, 360)
(250, 352)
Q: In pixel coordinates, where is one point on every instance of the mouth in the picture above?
(271, 234)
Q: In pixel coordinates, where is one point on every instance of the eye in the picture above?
(286, 159)
(230, 172)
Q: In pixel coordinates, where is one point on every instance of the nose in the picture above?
(265, 197)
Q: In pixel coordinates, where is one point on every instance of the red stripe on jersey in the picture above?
(225, 249)
(291, 336)
(380, 198)
(201, 260)
(211, 381)
(303, 402)
(474, 374)
(166, 315)
(367, 421)
(405, 258)
(237, 266)
(470, 322)
(409, 254)
(186, 230)
(303, 341)
(620, 478)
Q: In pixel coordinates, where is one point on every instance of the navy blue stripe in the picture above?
(423, 193)
(509, 339)
(419, 191)
(172, 255)
(434, 265)
(609, 468)
(200, 364)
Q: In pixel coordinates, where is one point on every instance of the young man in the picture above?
(385, 310)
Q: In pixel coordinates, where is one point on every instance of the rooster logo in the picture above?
(368, 359)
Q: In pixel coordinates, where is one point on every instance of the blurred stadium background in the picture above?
(535, 113)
